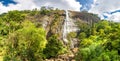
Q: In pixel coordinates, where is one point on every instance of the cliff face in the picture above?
(61, 23)
(54, 20)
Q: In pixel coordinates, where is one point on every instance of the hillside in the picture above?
(57, 35)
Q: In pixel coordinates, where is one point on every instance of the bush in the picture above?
(82, 35)
(26, 44)
(54, 47)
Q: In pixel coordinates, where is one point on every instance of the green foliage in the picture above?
(14, 16)
(82, 25)
(44, 10)
(102, 44)
(11, 22)
(34, 12)
(21, 40)
(71, 35)
(26, 44)
(54, 47)
(56, 24)
(82, 35)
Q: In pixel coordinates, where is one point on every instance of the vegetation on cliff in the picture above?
(23, 36)
(36, 35)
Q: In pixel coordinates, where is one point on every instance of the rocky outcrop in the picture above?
(65, 57)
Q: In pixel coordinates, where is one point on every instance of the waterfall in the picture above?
(65, 27)
(68, 26)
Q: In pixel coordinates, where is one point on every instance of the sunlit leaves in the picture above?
(102, 45)
(26, 43)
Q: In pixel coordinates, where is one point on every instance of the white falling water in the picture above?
(69, 26)
(65, 27)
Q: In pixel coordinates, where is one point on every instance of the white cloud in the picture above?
(22, 5)
(62, 4)
(102, 6)
(115, 16)
(25, 4)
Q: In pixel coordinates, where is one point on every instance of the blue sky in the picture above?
(6, 2)
(86, 4)
(109, 10)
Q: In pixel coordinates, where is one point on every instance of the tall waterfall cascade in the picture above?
(68, 26)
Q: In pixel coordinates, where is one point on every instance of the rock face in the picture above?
(54, 20)
(62, 22)
(65, 57)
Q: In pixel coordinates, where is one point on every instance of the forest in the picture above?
(23, 38)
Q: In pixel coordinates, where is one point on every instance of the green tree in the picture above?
(54, 47)
(102, 44)
(44, 10)
(26, 44)
(14, 16)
